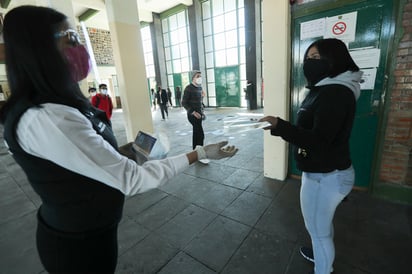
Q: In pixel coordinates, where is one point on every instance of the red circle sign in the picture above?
(339, 28)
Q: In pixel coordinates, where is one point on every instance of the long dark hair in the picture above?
(335, 52)
(36, 70)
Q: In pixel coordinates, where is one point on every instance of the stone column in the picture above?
(276, 37)
(130, 66)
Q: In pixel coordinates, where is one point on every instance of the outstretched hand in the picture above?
(216, 151)
(272, 120)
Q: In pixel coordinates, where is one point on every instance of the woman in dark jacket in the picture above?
(321, 142)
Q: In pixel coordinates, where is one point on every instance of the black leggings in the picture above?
(91, 252)
(198, 134)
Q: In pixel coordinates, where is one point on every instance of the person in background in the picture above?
(153, 97)
(169, 96)
(192, 102)
(103, 101)
(67, 148)
(178, 96)
(163, 103)
(92, 92)
(321, 142)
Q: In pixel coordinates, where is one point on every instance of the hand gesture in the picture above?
(216, 151)
(272, 120)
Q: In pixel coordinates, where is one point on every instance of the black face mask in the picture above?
(315, 70)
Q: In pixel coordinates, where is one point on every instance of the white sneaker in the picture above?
(205, 161)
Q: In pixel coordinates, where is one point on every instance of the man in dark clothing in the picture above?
(178, 97)
(192, 102)
(162, 101)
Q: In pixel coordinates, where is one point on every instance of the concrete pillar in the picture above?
(158, 52)
(130, 66)
(253, 51)
(276, 64)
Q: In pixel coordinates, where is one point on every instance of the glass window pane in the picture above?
(230, 5)
(151, 71)
(218, 24)
(168, 56)
(165, 25)
(209, 60)
(207, 27)
(220, 57)
(210, 75)
(206, 9)
(242, 54)
(208, 43)
(230, 20)
(241, 16)
(212, 89)
(232, 56)
(241, 37)
(240, 3)
(220, 42)
(182, 35)
(169, 67)
(181, 19)
(166, 41)
(175, 52)
(170, 80)
(174, 37)
(243, 72)
(231, 39)
(212, 101)
(177, 67)
(173, 22)
(217, 7)
(185, 64)
(145, 31)
(183, 50)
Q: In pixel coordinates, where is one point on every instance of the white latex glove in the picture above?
(215, 151)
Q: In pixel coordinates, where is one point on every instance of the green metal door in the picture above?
(371, 32)
(227, 86)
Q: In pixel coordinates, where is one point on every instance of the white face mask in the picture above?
(93, 93)
(198, 81)
(104, 91)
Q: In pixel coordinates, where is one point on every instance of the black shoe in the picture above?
(307, 253)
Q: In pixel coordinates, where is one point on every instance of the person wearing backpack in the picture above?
(103, 101)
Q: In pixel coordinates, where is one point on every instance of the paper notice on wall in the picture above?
(342, 27)
(313, 28)
(368, 78)
(366, 57)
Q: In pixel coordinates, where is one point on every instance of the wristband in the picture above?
(201, 153)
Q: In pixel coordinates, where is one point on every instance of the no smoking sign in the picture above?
(339, 28)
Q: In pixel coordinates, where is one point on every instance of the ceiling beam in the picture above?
(87, 14)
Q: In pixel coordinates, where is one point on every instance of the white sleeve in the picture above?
(63, 135)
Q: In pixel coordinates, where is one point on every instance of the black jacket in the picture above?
(71, 202)
(323, 128)
(192, 99)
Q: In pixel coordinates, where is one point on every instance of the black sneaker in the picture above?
(307, 253)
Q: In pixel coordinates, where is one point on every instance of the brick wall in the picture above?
(396, 164)
(101, 44)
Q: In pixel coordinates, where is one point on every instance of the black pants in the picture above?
(198, 134)
(163, 109)
(91, 252)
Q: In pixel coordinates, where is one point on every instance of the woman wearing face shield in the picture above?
(67, 148)
(321, 142)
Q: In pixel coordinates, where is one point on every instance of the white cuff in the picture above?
(201, 153)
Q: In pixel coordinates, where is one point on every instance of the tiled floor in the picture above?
(225, 217)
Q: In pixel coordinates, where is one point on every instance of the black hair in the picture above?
(36, 70)
(335, 52)
(102, 86)
(92, 89)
